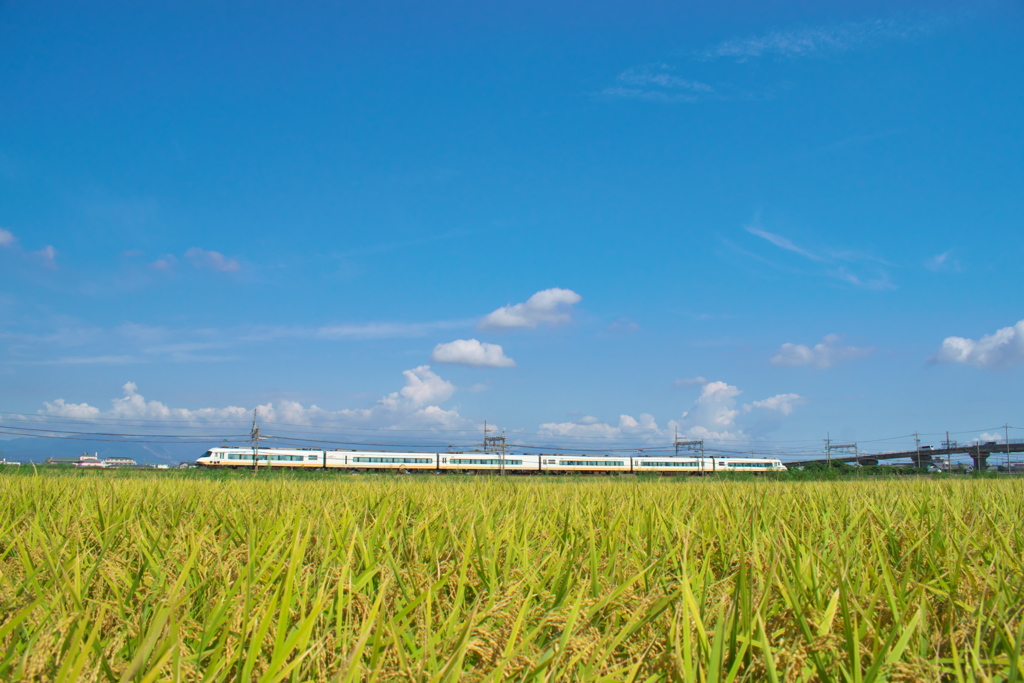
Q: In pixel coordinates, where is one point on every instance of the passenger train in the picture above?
(476, 462)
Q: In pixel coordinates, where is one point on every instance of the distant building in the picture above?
(119, 462)
(92, 460)
(84, 460)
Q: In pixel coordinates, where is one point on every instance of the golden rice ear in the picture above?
(317, 575)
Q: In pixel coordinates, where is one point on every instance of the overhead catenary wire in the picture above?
(187, 432)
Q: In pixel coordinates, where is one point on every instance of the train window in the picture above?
(311, 457)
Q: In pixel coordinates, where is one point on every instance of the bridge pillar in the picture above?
(980, 461)
(922, 460)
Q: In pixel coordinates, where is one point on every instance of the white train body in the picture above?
(514, 463)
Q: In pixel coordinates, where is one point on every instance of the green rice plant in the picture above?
(135, 576)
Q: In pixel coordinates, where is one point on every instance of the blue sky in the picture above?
(756, 224)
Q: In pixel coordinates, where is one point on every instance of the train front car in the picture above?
(267, 457)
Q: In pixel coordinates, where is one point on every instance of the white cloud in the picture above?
(782, 403)
(716, 416)
(47, 255)
(623, 325)
(818, 40)
(822, 355)
(211, 260)
(547, 307)
(1003, 348)
(471, 352)
(689, 381)
(590, 427)
(943, 262)
(60, 407)
(415, 406)
(7, 238)
(165, 262)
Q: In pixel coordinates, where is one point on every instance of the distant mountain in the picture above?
(27, 449)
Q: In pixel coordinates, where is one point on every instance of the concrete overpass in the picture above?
(979, 453)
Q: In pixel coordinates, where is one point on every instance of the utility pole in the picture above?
(1006, 432)
(492, 444)
(828, 449)
(917, 445)
(842, 448)
(694, 445)
(949, 454)
(503, 452)
(255, 436)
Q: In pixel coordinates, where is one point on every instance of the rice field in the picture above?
(176, 576)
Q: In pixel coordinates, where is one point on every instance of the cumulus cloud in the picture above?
(548, 307)
(7, 238)
(781, 403)
(417, 405)
(471, 352)
(822, 355)
(589, 427)
(716, 415)
(211, 260)
(1003, 348)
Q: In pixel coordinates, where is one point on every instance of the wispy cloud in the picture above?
(811, 41)
(781, 242)
(879, 283)
(355, 331)
(657, 82)
(82, 360)
(944, 262)
(661, 82)
(211, 260)
(877, 278)
(46, 256)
